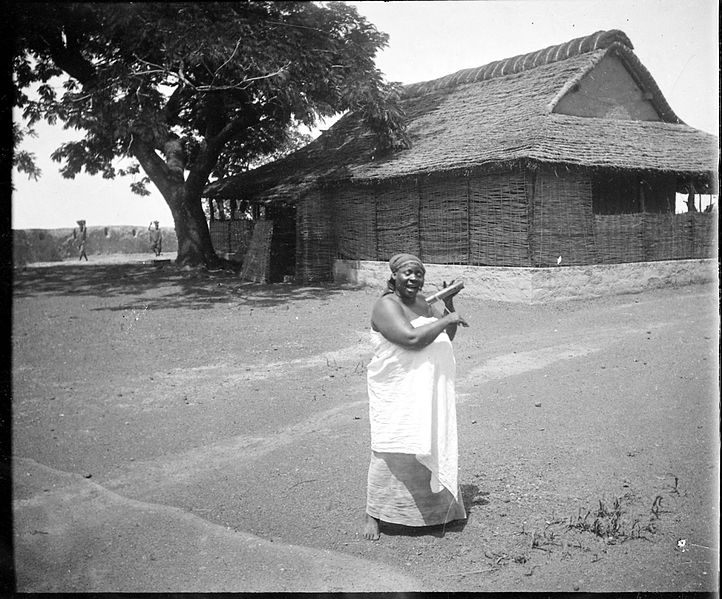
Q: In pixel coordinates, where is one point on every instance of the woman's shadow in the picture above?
(472, 497)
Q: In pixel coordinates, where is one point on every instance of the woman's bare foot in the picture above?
(371, 528)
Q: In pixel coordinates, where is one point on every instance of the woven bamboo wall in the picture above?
(443, 221)
(219, 235)
(239, 236)
(355, 216)
(704, 227)
(688, 235)
(397, 221)
(512, 218)
(498, 220)
(256, 262)
(648, 237)
(315, 238)
(563, 223)
(619, 238)
(665, 236)
(230, 236)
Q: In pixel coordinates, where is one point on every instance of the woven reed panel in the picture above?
(498, 220)
(563, 220)
(443, 221)
(239, 236)
(702, 227)
(315, 240)
(619, 238)
(256, 263)
(664, 237)
(355, 222)
(219, 235)
(397, 220)
(680, 236)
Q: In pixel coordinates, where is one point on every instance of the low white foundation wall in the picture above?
(537, 285)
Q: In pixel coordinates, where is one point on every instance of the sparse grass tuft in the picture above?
(615, 522)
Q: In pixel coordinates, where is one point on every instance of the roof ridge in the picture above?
(522, 62)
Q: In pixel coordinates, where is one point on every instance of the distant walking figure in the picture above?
(156, 237)
(82, 236)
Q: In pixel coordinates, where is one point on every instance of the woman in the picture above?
(412, 478)
(156, 238)
(82, 237)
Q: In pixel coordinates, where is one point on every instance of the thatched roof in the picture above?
(495, 116)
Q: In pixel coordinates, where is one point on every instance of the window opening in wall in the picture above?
(616, 194)
(633, 193)
(703, 202)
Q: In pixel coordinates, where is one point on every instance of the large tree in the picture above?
(195, 90)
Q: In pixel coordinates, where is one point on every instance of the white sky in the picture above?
(676, 40)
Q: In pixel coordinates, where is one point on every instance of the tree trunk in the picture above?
(194, 240)
(183, 199)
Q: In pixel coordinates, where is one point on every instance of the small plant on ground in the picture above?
(614, 522)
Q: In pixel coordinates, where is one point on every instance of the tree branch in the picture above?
(238, 44)
(201, 170)
(229, 131)
(70, 60)
(172, 107)
(183, 79)
(153, 165)
(243, 84)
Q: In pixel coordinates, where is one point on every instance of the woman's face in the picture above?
(409, 280)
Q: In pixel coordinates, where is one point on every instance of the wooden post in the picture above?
(376, 220)
(691, 207)
(468, 218)
(530, 177)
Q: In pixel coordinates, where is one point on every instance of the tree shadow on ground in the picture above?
(158, 286)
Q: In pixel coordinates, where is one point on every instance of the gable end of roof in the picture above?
(638, 72)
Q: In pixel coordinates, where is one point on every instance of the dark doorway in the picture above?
(283, 242)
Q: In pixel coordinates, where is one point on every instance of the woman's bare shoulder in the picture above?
(386, 309)
(386, 304)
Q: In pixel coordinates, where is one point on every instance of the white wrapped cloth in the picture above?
(412, 404)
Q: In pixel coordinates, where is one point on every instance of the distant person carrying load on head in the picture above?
(156, 237)
(81, 237)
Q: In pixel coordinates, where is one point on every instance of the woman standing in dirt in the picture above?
(82, 237)
(412, 478)
(156, 238)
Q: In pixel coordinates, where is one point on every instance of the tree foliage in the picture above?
(194, 91)
(23, 160)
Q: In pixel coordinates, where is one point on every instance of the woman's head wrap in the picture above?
(400, 260)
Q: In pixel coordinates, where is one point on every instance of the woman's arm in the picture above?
(448, 309)
(389, 319)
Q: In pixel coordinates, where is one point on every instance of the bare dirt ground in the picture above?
(186, 431)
